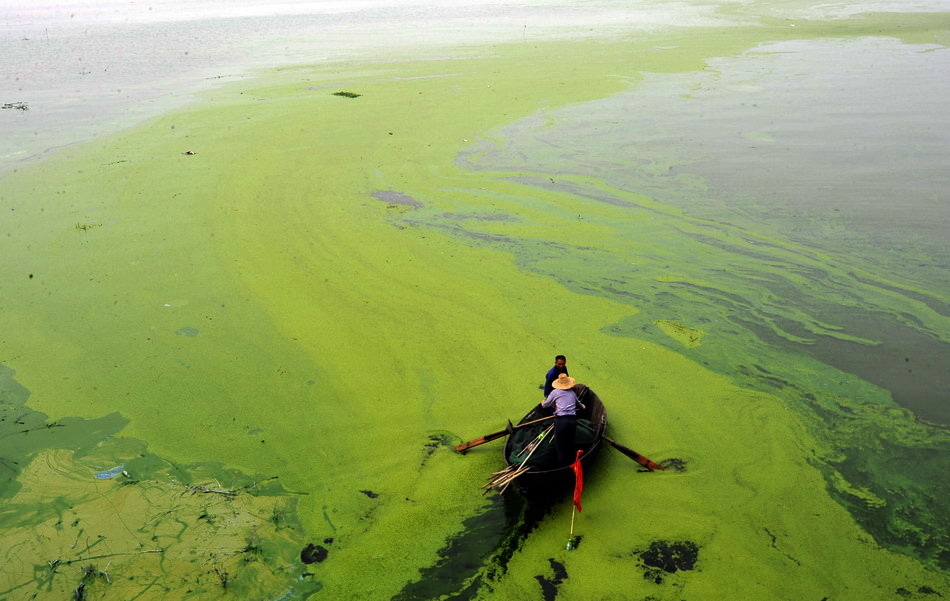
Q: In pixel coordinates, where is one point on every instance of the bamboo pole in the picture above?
(503, 478)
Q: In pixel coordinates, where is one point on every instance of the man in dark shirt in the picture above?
(560, 367)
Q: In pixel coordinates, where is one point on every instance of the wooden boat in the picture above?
(544, 476)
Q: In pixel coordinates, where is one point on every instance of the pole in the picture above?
(570, 541)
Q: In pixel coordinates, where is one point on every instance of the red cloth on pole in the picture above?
(578, 480)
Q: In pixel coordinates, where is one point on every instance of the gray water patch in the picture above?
(110, 473)
(837, 145)
(480, 217)
(187, 331)
(855, 131)
(396, 198)
(88, 69)
(862, 132)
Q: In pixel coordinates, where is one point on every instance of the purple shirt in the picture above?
(565, 402)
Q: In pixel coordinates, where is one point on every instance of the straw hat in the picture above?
(563, 382)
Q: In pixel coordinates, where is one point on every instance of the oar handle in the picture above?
(496, 435)
(644, 461)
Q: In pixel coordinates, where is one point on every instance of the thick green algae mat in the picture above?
(257, 325)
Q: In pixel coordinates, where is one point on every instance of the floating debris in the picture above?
(313, 554)
(436, 441)
(670, 557)
(674, 464)
(688, 337)
(347, 94)
(20, 106)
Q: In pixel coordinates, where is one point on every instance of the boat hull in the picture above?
(547, 482)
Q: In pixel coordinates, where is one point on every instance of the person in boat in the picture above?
(560, 367)
(566, 404)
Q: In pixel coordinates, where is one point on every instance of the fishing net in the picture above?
(545, 456)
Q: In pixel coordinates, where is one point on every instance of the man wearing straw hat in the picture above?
(565, 417)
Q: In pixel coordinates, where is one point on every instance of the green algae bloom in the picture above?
(268, 316)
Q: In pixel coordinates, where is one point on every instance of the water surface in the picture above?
(276, 308)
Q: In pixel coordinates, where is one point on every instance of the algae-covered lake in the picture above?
(252, 301)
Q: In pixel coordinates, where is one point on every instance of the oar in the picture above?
(496, 435)
(644, 461)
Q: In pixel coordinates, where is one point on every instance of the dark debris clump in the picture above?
(549, 585)
(674, 464)
(436, 441)
(668, 556)
(313, 554)
(922, 590)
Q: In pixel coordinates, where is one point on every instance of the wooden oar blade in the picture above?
(644, 461)
(481, 440)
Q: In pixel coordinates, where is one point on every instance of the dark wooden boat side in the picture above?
(555, 481)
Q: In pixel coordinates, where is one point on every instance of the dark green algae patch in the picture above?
(479, 555)
(470, 562)
(89, 514)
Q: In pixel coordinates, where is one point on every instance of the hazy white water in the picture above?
(86, 69)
